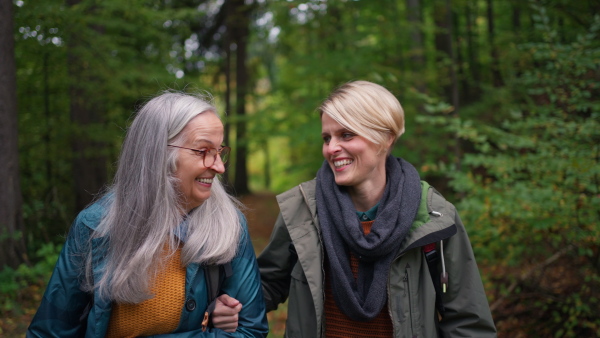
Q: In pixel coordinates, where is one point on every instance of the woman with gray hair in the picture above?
(367, 249)
(132, 264)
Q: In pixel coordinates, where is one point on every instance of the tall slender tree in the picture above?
(227, 69)
(227, 31)
(240, 32)
(89, 163)
(473, 90)
(446, 55)
(495, 67)
(12, 245)
(415, 21)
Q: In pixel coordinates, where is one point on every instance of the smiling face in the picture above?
(195, 180)
(355, 161)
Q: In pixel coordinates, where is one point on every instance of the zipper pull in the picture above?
(205, 321)
(444, 280)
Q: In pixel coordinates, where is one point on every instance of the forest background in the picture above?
(501, 101)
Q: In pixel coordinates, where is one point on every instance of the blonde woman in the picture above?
(350, 249)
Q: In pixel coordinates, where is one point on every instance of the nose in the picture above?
(218, 166)
(333, 147)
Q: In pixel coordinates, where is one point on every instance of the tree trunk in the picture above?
(415, 20)
(240, 33)
(443, 45)
(474, 88)
(267, 165)
(445, 50)
(495, 66)
(227, 126)
(516, 18)
(89, 162)
(462, 85)
(12, 243)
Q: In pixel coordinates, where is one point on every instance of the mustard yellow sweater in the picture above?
(159, 314)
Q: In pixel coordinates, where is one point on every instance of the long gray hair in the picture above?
(145, 215)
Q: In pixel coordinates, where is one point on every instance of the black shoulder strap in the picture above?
(432, 256)
(214, 275)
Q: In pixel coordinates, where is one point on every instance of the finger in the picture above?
(228, 300)
(227, 323)
(227, 327)
(225, 311)
(237, 308)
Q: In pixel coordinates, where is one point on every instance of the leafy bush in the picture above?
(15, 285)
(531, 188)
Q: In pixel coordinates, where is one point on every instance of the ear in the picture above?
(390, 142)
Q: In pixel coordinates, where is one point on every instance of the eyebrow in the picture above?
(338, 131)
(202, 140)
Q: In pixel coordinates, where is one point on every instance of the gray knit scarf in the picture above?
(363, 298)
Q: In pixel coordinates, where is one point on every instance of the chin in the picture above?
(342, 182)
(196, 203)
(200, 202)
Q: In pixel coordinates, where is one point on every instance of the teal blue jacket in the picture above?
(67, 311)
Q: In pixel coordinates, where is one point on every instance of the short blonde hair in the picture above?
(367, 109)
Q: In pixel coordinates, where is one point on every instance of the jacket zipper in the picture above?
(408, 295)
(389, 293)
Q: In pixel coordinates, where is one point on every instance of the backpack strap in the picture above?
(431, 253)
(432, 256)
(214, 275)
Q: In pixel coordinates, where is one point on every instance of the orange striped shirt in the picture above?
(337, 324)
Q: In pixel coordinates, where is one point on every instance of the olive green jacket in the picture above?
(291, 266)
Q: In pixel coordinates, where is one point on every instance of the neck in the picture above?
(369, 192)
(364, 198)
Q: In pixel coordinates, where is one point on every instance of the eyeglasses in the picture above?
(209, 156)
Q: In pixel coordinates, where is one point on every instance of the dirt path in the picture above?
(261, 213)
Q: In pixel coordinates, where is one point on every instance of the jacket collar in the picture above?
(434, 221)
(94, 213)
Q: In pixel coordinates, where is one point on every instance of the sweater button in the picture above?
(190, 305)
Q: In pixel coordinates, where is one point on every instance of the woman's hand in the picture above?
(225, 315)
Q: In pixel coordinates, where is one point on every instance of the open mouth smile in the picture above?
(342, 163)
(204, 180)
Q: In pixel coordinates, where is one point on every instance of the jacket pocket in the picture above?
(302, 319)
(404, 304)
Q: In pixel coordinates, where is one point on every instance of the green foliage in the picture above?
(532, 186)
(15, 285)
(540, 165)
(321, 45)
(125, 51)
(528, 181)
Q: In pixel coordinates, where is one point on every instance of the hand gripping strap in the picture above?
(214, 280)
